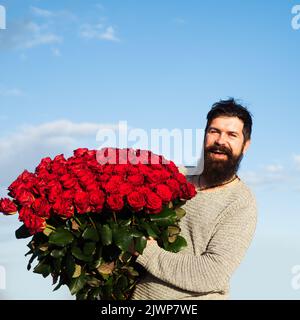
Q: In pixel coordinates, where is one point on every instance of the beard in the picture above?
(218, 171)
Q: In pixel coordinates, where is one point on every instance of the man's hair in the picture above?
(230, 108)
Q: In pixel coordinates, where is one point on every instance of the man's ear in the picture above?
(246, 146)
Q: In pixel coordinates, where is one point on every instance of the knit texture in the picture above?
(219, 227)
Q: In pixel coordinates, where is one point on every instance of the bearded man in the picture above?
(220, 221)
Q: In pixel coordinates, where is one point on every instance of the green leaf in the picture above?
(43, 268)
(125, 223)
(178, 245)
(77, 271)
(47, 231)
(122, 283)
(83, 294)
(95, 293)
(78, 254)
(58, 253)
(106, 235)
(22, 233)
(90, 233)
(89, 248)
(31, 260)
(108, 289)
(180, 213)
(173, 232)
(77, 284)
(140, 244)
(57, 265)
(96, 264)
(135, 233)
(69, 265)
(61, 237)
(60, 283)
(149, 230)
(165, 218)
(93, 282)
(122, 238)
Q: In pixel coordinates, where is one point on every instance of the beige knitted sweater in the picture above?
(219, 226)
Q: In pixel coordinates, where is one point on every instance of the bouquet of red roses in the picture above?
(87, 213)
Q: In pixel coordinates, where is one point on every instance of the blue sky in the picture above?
(67, 67)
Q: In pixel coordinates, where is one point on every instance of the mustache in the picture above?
(219, 149)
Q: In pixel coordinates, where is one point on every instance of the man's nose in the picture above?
(221, 140)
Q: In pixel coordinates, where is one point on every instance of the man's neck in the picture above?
(204, 184)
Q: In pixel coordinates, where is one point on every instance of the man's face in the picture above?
(224, 148)
(225, 137)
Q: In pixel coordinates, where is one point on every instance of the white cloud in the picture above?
(98, 32)
(297, 161)
(47, 14)
(26, 35)
(273, 168)
(263, 178)
(41, 12)
(275, 175)
(24, 148)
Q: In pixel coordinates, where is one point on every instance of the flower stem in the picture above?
(92, 222)
(115, 217)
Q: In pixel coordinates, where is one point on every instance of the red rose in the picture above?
(180, 178)
(63, 207)
(104, 177)
(143, 190)
(115, 202)
(120, 169)
(87, 180)
(24, 212)
(54, 190)
(92, 187)
(164, 192)
(188, 191)
(67, 181)
(171, 166)
(132, 170)
(45, 165)
(125, 189)
(59, 169)
(136, 200)
(137, 179)
(153, 202)
(174, 187)
(25, 198)
(34, 224)
(154, 176)
(80, 152)
(113, 185)
(7, 206)
(82, 202)
(97, 199)
(41, 207)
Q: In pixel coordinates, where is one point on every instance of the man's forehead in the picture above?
(227, 123)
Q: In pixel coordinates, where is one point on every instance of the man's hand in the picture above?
(131, 248)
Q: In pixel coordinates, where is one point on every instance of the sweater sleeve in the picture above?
(211, 271)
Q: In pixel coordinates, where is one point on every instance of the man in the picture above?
(220, 221)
